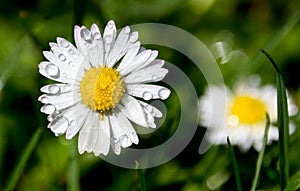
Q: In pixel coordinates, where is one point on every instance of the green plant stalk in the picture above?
(20, 165)
(283, 124)
(142, 178)
(261, 154)
(235, 166)
(73, 174)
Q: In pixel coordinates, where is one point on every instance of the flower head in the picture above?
(244, 116)
(98, 81)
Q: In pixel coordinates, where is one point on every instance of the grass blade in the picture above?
(294, 184)
(235, 166)
(261, 154)
(283, 124)
(141, 177)
(19, 166)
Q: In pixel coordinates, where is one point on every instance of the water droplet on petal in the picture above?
(163, 93)
(154, 77)
(61, 57)
(126, 29)
(64, 43)
(52, 70)
(71, 52)
(53, 89)
(110, 25)
(67, 88)
(48, 109)
(147, 95)
(108, 39)
(233, 120)
(71, 64)
(43, 99)
(97, 36)
(86, 34)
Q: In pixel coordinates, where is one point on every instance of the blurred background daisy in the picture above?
(244, 118)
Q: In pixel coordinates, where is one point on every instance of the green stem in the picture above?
(235, 166)
(283, 124)
(141, 177)
(261, 154)
(20, 165)
(73, 175)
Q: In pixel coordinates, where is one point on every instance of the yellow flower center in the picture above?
(248, 110)
(101, 88)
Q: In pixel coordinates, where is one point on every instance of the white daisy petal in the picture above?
(77, 118)
(129, 57)
(122, 130)
(121, 46)
(60, 101)
(103, 139)
(79, 32)
(132, 109)
(87, 136)
(57, 88)
(147, 91)
(109, 37)
(150, 109)
(96, 48)
(140, 59)
(153, 73)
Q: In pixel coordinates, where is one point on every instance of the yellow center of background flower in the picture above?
(101, 88)
(249, 110)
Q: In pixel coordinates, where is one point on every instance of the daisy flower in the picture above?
(98, 81)
(244, 116)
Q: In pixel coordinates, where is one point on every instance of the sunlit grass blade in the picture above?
(141, 177)
(283, 124)
(261, 154)
(19, 166)
(294, 183)
(73, 175)
(235, 166)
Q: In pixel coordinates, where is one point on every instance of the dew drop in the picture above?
(62, 57)
(163, 93)
(71, 52)
(67, 88)
(52, 70)
(71, 64)
(110, 25)
(154, 77)
(126, 29)
(48, 109)
(86, 34)
(43, 99)
(147, 95)
(108, 39)
(64, 43)
(53, 89)
(97, 36)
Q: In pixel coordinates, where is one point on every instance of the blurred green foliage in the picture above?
(26, 28)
